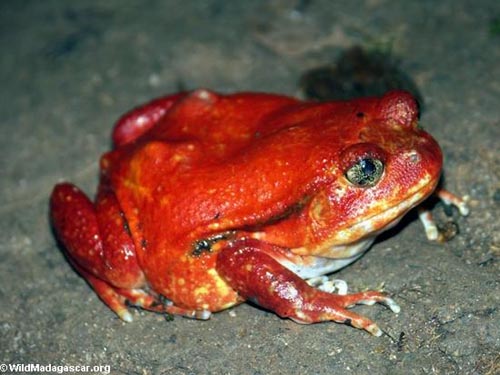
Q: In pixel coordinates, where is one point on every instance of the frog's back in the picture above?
(214, 157)
(220, 124)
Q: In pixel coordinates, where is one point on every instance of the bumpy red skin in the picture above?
(193, 166)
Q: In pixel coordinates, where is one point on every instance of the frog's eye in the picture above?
(365, 172)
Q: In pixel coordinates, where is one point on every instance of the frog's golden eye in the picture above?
(365, 173)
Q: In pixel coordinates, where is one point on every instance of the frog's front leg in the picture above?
(248, 266)
(431, 228)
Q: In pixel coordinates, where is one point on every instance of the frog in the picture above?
(207, 200)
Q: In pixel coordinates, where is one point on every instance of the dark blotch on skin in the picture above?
(126, 228)
(201, 246)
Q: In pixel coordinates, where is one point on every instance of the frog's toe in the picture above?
(451, 199)
(370, 298)
(110, 295)
(188, 313)
(338, 315)
(374, 330)
(430, 226)
(137, 297)
(389, 302)
(125, 315)
(325, 284)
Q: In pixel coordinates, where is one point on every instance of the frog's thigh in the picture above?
(118, 254)
(74, 218)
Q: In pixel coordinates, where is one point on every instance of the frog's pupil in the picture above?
(368, 167)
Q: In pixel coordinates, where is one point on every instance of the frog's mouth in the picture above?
(335, 254)
(356, 238)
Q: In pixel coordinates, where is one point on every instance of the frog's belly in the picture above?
(310, 266)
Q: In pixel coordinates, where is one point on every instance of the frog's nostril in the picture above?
(413, 156)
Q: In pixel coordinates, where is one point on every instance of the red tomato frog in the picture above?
(208, 200)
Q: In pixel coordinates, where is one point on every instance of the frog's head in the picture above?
(387, 166)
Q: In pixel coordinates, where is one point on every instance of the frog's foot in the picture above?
(425, 216)
(114, 298)
(117, 299)
(248, 266)
(146, 301)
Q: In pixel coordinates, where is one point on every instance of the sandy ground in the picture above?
(69, 69)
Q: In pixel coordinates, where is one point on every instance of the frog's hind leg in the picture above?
(249, 267)
(107, 293)
(139, 120)
(117, 299)
(98, 245)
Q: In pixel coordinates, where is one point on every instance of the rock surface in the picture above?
(70, 69)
